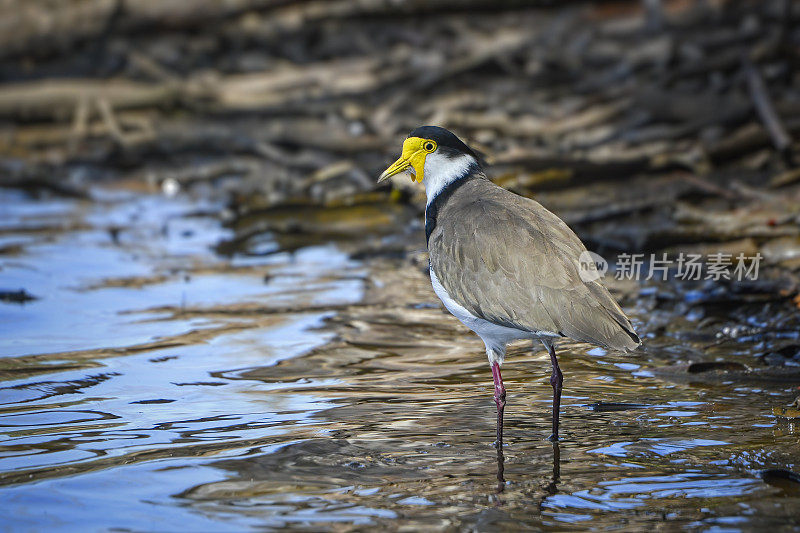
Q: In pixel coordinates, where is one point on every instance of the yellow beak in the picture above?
(413, 157)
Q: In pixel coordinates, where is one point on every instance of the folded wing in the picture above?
(507, 259)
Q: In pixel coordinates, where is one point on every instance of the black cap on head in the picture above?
(442, 138)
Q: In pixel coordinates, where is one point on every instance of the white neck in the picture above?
(441, 171)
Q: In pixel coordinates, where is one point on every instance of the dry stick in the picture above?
(786, 178)
(80, 125)
(654, 15)
(110, 121)
(35, 177)
(53, 98)
(152, 68)
(710, 187)
(766, 111)
(38, 27)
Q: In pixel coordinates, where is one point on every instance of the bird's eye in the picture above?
(429, 146)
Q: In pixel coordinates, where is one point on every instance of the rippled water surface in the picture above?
(156, 385)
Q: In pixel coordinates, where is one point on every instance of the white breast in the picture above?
(495, 337)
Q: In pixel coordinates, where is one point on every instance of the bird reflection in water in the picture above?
(550, 489)
(501, 460)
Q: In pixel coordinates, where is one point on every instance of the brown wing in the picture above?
(509, 260)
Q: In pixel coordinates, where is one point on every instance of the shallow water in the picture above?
(156, 385)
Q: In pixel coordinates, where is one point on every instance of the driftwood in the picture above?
(37, 179)
(286, 85)
(766, 111)
(59, 99)
(42, 27)
(310, 98)
(50, 27)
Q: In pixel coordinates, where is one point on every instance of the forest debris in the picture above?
(207, 172)
(785, 178)
(294, 84)
(787, 413)
(747, 246)
(765, 109)
(482, 49)
(37, 178)
(615, 406)
(786, 480)
(745, 139)
(716, 366)
(57, 99)
(37, 26)
(782, 250)
(544, 170)
(40, 28)
(531, 126)
(709, 187)
(755, 221)
(727, 371)
(309, 99)
(297, 223)
(20, 296)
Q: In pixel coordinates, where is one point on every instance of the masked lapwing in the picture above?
(505, 266)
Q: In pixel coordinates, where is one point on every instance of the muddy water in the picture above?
(154, 384)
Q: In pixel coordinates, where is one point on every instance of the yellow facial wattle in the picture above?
(415, 150)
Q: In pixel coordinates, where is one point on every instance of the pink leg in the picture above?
(500, 400)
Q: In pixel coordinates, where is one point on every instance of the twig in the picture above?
(654, 15)
(110, 121)
(80, 124)
(765, 109)
(54, 98)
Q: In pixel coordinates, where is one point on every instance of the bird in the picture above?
(504, 265)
